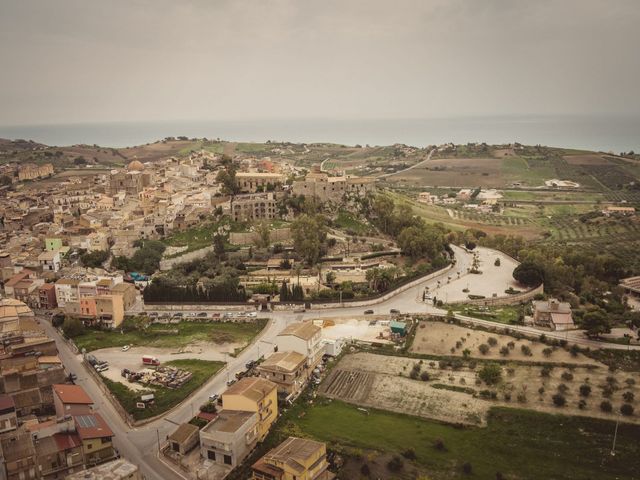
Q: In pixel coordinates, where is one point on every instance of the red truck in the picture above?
(150, 360)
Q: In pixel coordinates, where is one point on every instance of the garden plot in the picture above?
(452, 391)
(439, 338)
(402, 395)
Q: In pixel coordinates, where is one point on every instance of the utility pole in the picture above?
(158, 433)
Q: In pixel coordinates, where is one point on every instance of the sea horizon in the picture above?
(606, 133)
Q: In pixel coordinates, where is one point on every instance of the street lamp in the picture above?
(615, 437)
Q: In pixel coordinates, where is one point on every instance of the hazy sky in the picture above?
(67, 61)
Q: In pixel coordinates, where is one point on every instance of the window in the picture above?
(211, 455)
(227, 459)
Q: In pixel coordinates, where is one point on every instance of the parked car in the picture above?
(394, 310)
(153, 314)
(101, 368)
(178, 314)
(202, 314)
(230, 382)
(227, 315)
(252, 314)
(125, 348)
(191, 314)
(250, 364)
(368, 312)
(214, 397)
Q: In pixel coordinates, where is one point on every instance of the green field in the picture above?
(519, 444)
(165, 398)
(172, 336)
(347, 222)
(507, 314)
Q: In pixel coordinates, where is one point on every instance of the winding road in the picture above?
(140, 444)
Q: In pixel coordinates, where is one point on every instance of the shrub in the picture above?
(574, 350)
(467, 468)
(525, 350)
(567, 376)
(438, 444)
(607, 391)
(628, 396)
(413, 375)
(484, 348)
(585, 390)
(409, 454)
(541, 390)
(504, 351)
(365, 470)
(547, 352)
(626, 409)
(582, 404)
(522, 397)
(546, 371)
(466, 353)
(497, 262)
(395, 464)
(630, 382)
(490, 374)
(492, 341)
(424, 376)
(562, 388)
(605, 406)
(511, 345)
(559, 400)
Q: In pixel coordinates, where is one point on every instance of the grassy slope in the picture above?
(165, 398)
(519, 444)
(164, 336)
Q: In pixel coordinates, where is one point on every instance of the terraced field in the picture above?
(348, 385)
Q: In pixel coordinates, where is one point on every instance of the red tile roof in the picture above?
(67, 441)
(6, 402)
(72, 394)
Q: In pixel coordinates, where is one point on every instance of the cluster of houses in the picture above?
(484, 200)
(48, 428)
(249, 408)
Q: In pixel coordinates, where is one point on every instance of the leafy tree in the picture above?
(94, 259)
(484, 348)
(528, 274)
(559, 400)
(227, 177)
(72, 327)
(331, 278)
(606, 406)
(309, 235)
(628, 396)
(264, 235)
(626, 409)
(595, 323)
(490, 374)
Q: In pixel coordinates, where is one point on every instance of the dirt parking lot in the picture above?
(132, 359)
(356, 328)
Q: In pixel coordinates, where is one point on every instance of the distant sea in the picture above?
(601, 133)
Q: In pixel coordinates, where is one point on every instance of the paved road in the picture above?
(140, 445)
(387, 175)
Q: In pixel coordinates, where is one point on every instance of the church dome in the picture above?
(135, 166)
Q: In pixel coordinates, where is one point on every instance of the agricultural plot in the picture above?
(455, 391)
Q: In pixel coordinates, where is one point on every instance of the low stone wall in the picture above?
(246, 238)
(169, 263)
(381, 298)
(507, 300)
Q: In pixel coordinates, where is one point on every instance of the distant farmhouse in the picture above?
(552, 314)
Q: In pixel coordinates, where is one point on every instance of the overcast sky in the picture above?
(68, 61)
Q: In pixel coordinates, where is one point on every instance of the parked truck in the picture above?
(150, 360)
